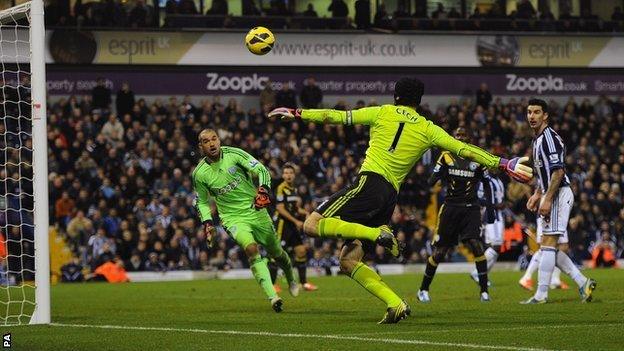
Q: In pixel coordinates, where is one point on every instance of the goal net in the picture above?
(24, 257)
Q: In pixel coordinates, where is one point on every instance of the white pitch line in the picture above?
(313, 336)
(561, 326)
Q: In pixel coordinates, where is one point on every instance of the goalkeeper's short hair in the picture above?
(408, 91)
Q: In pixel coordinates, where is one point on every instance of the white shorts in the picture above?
(493, 233)
(559, 215)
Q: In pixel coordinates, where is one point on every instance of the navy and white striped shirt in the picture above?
(492, 192)
(548, 156)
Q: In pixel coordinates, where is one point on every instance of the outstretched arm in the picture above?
(366, 115)
(440, 138)
(513, 167)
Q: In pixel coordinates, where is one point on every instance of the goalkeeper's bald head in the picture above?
(209, 143)
(205, 133)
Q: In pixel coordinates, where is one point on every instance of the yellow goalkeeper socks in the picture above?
(337, 228)
(261, 272)
(372, 282)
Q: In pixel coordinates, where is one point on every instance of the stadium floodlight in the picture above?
(25, 260)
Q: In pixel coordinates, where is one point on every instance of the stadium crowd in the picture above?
(281, 14)
(120, 185)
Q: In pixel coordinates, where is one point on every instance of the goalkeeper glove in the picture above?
(210, 231)
(516, 169)
(263, 200)
(285, 113)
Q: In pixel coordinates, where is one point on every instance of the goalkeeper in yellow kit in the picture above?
(360, 213)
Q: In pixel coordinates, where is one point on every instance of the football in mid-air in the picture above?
(259, 40)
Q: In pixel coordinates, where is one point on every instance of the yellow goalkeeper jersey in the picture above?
(399, 136)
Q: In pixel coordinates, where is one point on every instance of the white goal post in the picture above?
(25, 265)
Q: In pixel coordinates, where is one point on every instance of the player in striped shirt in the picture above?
(493, 195)
(552, 200)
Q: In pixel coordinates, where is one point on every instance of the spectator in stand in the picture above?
(113, 130)
(604, 252)
(453, 13)
(310, 12)
(233, 261)
(320, 263)
(311, 95)
(154, 264)
(187, 7)
(496, 12)
(101, 95)
(421, 12)
(125, 99)
(547, 15)
(218, 261)
(135, 263)
(338, 8)
(440, 13)
(525, 10)
(476, 14)
(286, 97)
(267, 97)
(278, 8)
(79, 229)
(250, 8)
(138, 15)
(171, 7)
(72, 272)
(400, 12)
(484, 97)
(617, 15)
(382, 18)
(587, 15)
(63, 209)
(362, 14)
(219, 7)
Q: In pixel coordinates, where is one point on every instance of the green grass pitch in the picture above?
(232, 315)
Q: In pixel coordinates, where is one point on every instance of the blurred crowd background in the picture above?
(335, 14)
(120, 166)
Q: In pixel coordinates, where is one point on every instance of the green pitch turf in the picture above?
(232, 315)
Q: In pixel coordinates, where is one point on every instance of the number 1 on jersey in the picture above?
(397, 136)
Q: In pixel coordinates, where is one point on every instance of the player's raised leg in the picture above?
(371, 201)
(366, 196)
